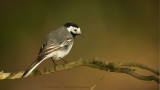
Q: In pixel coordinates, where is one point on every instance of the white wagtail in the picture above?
(57, 45)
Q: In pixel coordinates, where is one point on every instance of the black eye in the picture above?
(75, 30)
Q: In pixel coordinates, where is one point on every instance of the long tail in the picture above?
(33, 66)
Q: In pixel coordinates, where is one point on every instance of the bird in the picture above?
(57, 44)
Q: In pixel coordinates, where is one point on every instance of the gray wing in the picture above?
(55, 40)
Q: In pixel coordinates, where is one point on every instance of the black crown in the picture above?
(71, 24)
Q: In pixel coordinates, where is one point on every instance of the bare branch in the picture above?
(143, 66)
(94, 63)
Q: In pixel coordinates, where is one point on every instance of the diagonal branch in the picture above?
(94, 63)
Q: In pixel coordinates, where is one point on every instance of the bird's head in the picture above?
(73, 29)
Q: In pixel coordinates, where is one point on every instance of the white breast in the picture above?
(62, 53)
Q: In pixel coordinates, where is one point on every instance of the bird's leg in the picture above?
(54, 64)
(63, 61)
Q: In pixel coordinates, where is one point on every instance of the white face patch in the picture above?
(74, 30)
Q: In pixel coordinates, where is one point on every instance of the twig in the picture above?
(143, 66)
(93, 87)
(94, 63)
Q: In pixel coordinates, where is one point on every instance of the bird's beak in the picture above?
(81, 35)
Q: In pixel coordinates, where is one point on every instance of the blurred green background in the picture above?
(115, 30)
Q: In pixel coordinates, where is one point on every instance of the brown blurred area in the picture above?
(115, 30)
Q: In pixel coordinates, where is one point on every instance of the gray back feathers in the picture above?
(57, 36)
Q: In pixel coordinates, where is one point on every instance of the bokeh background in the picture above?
(115, 30)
